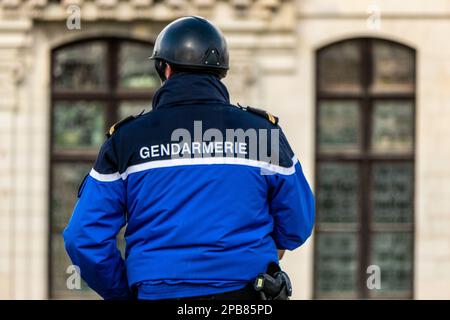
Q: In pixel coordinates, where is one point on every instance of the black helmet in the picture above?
(191, 44)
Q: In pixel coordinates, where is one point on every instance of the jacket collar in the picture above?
(188, 88)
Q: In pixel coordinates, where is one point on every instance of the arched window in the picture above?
(95, 83)
(365, 123)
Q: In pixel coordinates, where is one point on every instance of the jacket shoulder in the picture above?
(261, 113)
(122, 123)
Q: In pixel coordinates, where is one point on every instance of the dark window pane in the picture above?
(339, 67)
(336, 263)
(80, 67)
(131, 108)
(339, 126)
(66, 179)
(78, 125)
(337, 197)
(135, 69)
(392, 192)
(393, 68)
(347, 147)
(393, 126)
(392, 252)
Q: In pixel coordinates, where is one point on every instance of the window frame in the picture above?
(365, 160)
(112, 95)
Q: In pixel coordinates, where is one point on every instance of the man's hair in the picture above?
(180, 69)
(177, 69)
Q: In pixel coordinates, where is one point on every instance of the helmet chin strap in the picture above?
(160, 67)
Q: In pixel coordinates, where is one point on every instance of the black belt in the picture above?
(246, 293)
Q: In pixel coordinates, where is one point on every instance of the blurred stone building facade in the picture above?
(361, 88)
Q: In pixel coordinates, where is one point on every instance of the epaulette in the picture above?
(272, 119)
(117, 125)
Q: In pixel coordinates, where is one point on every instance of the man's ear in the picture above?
(167, 70)
(160, 69)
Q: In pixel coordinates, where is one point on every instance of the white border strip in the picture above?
(104, 177)
(192, 162)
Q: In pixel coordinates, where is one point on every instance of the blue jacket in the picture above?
(201, 219)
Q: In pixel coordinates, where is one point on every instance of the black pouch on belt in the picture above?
(274, 284)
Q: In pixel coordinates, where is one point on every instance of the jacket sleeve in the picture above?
(98, 216)
(291, 201)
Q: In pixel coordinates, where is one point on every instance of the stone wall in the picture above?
(272, 44)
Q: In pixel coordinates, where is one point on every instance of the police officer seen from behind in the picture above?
(205, 213)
